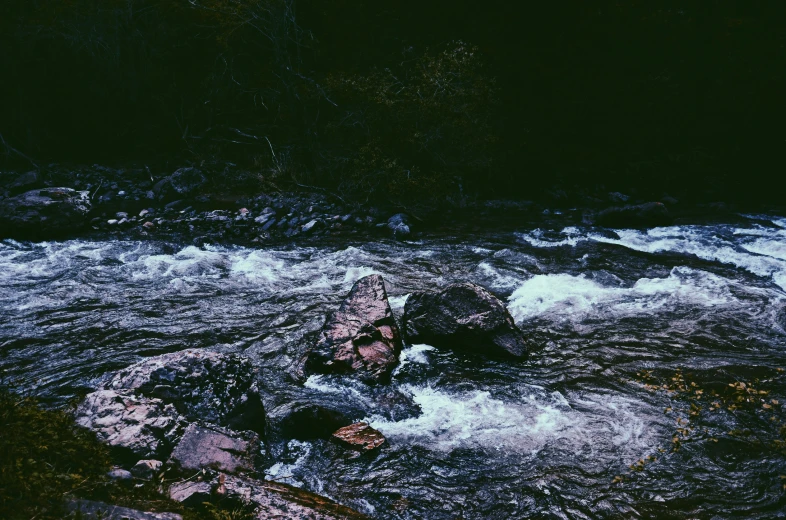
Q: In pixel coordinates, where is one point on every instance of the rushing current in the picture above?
(583, 428)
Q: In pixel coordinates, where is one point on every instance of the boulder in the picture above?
(359, 436)
(650, 214)
(463, 316)
(305, 420)
(361, 337)
(88, 509)
(138, 426)
(217, 388)
(43, 213)
(184, 182)
(208, 446)
(265, 498)
(25, 182)
(398, 225)
(147, 469)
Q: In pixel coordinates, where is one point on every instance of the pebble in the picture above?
(143, 213)
(112, 221)
(121, 214)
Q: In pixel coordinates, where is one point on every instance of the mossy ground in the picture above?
(45, 459)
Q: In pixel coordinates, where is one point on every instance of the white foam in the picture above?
(570, 236)
(397, 303)
(564, 295)
(413, 354)
(285, 473)
(539, 419)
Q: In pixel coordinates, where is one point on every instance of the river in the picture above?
(612, 317)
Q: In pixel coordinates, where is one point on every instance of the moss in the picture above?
(46, 458)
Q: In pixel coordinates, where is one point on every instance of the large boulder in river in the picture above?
(651, 214)
(202, 385)
(463, 316)
(43, 213)
(361, 337)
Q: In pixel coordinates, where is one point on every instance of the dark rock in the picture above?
(399, 225)
(184, 182)
(641, 215)
(304, 420)
(213, 447)
(308, 226)
(25, 182)
(43, 213)
(463, 316)
(147, 469)
(359, 436)
(361, 337)
(267, 499)
(204, 385)
(618, 197)
(88, 509)
(144, 427)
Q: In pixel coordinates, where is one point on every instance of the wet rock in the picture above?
(308, 226)
(204, 385)
(305, 420)
(463, 316)
(88, 509)
(147, 469)
(43, 213)
(399, 225)
(642, 215)
(144, 427)
(266, 499)
(361, 337)
(112, 221)
(149, 226)
(359, 436)
(616, 196)
(213, 447)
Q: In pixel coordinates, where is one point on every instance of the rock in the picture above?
(616, 196)
(121, 215)
(642, 215)
(25, 182)
(43, 213)
(399, 225)
(269, 224)
(262, 219)
(149, 226)
(267, 499)
(88, 509)
(463, 316)
(112, 221)
(204, 385)
(213, 447)
(359, 436)
(304, 420)
(309, 226)
(144, 427)
(361, 337)
(120, 474)
(147, 469)
(143, 213)
(183, 183)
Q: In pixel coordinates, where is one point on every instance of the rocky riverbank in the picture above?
(227, 205)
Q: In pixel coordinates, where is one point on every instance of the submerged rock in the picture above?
(213, 447)
(202, 385)
(265, 499)
(463, 316)
(144, 427)
(361, 337)
(359, 436)
(44, 213)
(642, 215)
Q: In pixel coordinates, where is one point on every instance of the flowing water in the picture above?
(609, 316)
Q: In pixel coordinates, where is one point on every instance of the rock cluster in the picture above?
(43, 213)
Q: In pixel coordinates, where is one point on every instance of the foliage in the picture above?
(45, 455)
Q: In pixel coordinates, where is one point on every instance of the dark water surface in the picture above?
(467, 438)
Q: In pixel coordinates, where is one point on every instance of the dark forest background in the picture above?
(408, 98)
